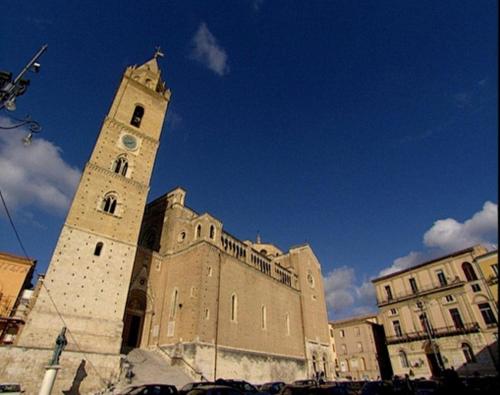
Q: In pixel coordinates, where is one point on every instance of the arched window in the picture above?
(325, 365)
(469, 272)
(120, 166)
(360, 347)
(315, 365)
(137, 116)
(212, 232)
(98, 249)
(173, 303)
(234, 308)
(362, 364)
(403, 358)
(109, 204)
(198, 231)
(468, 354)
(263, 317)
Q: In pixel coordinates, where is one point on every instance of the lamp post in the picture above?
(10, 89)
(428, 330)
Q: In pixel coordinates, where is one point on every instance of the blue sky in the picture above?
(367, 129)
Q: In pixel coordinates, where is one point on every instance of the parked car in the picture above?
(272, 388)
(294, 389)
(377, 388)
(304, 382)
(214, 389)
(425, 387)
(11, 389)
(150, 389)
(190, 386)
(332, 389)
(244, 386)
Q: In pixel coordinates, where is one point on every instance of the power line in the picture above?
(13, 226)
(47, 290)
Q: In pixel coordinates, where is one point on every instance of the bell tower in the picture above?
(89, 275)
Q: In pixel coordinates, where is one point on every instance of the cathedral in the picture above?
(160, 276)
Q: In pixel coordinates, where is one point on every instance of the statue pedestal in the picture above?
(49, 379)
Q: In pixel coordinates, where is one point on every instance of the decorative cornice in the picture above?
(116, 176)
(113, 123)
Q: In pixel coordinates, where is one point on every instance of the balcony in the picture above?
(492, 280)
(435, 333)
(410, 294)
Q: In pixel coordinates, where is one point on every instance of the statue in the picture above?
(61, 343)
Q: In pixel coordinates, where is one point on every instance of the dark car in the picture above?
(304, 382)
(332, 389)
(377, 388)
(241, 385)
(214, 389)
(425, 387)
(272, 387)
(190, 386)
(150, 389)
(294, 389)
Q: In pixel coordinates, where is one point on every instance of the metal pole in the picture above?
(30, 64)
(431, 339)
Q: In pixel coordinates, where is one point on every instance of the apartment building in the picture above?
(440, 314)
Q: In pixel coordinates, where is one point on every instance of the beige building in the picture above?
(165, 278)
(15, 276)
(227, 307)
(361, 352)
(488, 264)
(439, 315)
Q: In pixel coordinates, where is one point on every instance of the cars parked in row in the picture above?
(483, 385)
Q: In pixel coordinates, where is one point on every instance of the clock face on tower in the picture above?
(129, 142)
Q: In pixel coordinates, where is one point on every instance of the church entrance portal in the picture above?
(134, 320)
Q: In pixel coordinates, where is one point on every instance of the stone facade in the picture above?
(233, 304)
(86, 285)
(166, 277)
(440, 315)
(361, 352)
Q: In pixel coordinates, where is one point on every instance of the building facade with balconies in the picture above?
(488, 263)
(439, 315)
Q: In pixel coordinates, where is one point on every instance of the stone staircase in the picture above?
(151, 366)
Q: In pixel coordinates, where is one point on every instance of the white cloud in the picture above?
(207, 51)
(403, 262)
(35, 174)
(448, 235)
(344, 296)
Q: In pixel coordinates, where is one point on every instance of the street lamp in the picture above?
(10, 89)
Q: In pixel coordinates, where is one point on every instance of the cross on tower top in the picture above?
(158, 53)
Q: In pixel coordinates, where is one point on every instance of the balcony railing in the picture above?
(409, 294)
(472, 327)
